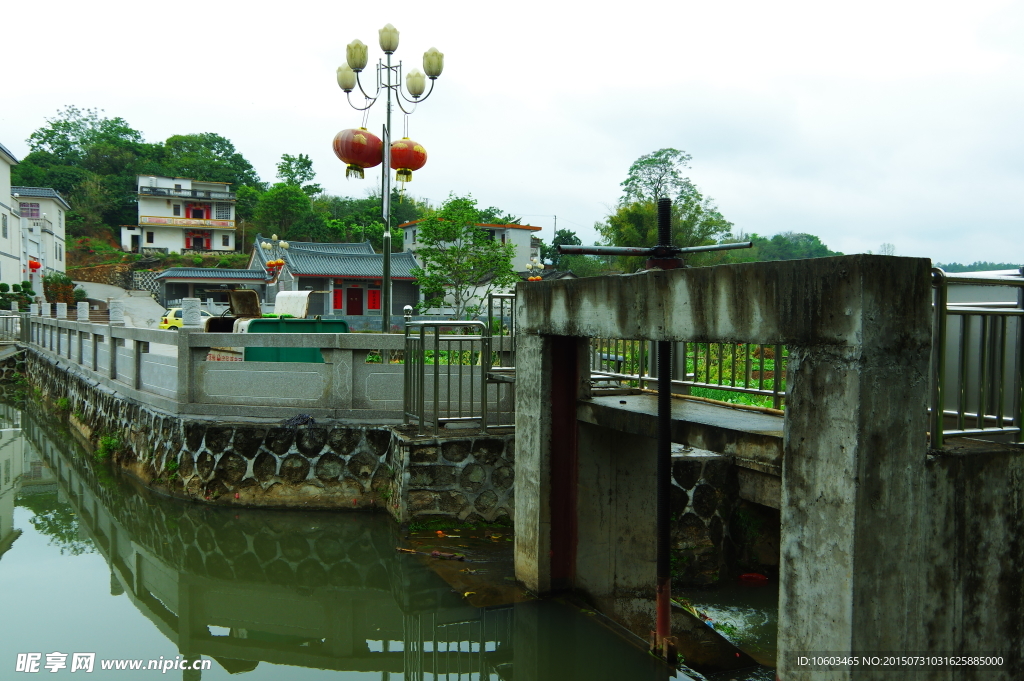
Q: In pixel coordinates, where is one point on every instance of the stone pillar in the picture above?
(116, 313)
(83, 312)
(33, 309)
(46, 310)
(62, 310)
(190, 317)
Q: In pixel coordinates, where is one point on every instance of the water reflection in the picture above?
(314, 591)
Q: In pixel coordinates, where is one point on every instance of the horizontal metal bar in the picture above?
(983, 303)
(979, 431)
(964, 311)
(979, 281)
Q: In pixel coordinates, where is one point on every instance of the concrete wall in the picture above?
(854, 502)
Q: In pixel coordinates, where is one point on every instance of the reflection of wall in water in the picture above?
(248, 586)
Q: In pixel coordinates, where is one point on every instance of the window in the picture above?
(198, 214)
(224, 211)
(177, 187)
(225, 241)
(149, 237)
(29, 210)
(4, 221)
(60, 218)
(177, 210)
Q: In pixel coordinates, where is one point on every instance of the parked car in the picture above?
(172, 318)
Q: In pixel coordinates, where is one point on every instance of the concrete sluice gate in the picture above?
(887, 548)
(307, 590)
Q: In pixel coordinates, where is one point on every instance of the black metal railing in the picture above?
(187, 193)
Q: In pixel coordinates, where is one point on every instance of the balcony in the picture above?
(187, 193)
(185, 222)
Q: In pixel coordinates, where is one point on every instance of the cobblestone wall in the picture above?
(466, 478)
(704, 494)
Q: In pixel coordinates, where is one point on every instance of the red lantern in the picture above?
(407, 156)
(359, 149)
(34, 265)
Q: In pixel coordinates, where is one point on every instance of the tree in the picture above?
(582, 265)
(563, 237)
(298, 171)
(695, 221)
(461, 261)
(69, 136)
(209, 157)
(283, 210)
(656, 175)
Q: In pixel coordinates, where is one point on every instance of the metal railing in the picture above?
(751, 369)
(977, 358)
(187, 193)
(501, 322)
(467, 360)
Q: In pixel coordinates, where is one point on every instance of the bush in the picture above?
(80, 295)
(197, 261)
(58, 288)
(16, 288)
(4, 288)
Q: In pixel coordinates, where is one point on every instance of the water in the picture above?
(92, 563)
(746, 615)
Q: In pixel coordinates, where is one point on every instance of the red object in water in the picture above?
(359, 149)
(753, 578)
(236, 495)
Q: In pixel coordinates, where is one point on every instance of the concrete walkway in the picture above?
(139, 310)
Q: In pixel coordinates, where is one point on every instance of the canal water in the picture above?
(94, 566)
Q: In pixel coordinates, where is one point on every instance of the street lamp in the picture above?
(273, 250)
(389, 79)
(534, 264)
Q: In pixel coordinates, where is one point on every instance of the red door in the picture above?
(338, 299)
(354, 301)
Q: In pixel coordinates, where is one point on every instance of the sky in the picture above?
(864, 123)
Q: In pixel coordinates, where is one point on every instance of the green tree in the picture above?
(69, 136)
(582, 265)
(209, 157)
(656, 175)
(695, 220)
(298, 171)
(285, 210)
(461, 261)
(563, 237)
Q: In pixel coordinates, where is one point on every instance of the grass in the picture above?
(63, 404)
(107, 446)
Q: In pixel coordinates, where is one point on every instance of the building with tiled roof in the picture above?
(350, 274)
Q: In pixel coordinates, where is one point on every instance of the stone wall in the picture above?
(704, 494)
(464, 477)
(112, 275)
(263, 463)
(260, 463)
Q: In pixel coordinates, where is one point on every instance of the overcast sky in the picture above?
(862, 123)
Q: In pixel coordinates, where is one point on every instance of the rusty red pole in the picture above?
(663, 616)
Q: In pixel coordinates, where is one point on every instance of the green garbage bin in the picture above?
(278, 325)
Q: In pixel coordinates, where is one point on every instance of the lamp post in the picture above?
(534, 264)
(273, 250)
(389, 79)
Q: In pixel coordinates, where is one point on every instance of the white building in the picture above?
(31, 228)
(521, 236)
(180, 215)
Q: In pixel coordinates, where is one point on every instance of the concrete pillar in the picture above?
(190, 317)
(15, 307)
(116, 312)
(33, 309)
(62, 310)
(83, 312)
(46, 310)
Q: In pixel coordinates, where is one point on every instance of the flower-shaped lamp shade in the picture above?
(416, 82)
(388, 39)
(346, 78)
(356, 54)
(433, 63)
